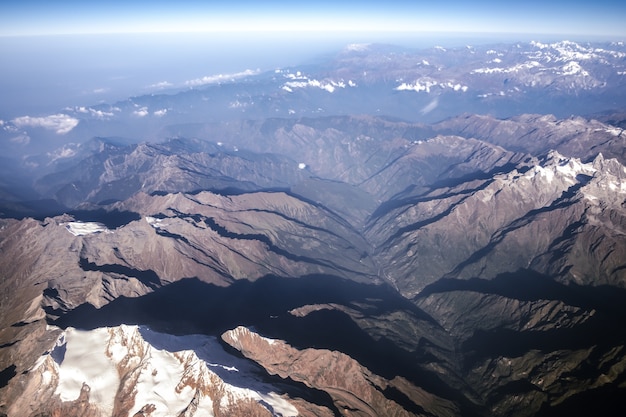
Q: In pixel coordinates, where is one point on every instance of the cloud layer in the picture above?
(219, 78)
(60, 123)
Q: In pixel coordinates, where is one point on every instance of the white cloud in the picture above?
(98, 114)
(358, 47)
(7, 127)
(160, 113)
(214, 79)
(141, 112)
(22, 139)
(301, 81)
(161, 84)
(60, 123)
(66, 151)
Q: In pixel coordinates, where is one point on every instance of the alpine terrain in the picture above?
(385, 232)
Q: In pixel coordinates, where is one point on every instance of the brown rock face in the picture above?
(353, 388)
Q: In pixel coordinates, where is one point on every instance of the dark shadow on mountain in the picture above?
(6, 374)
(108, 202)
(399, 397)
(398, 201)
(423, 223)
(111, 219)
(192, 306)
(9, 344)
(234, 191)
(605, 401)
(212, 309)
(449, 182)
(520, 386)
(148, 277)
(404, 198)
(224, 232)
(565, 200)
(602, 331)
(37, 209)
(597, 333)
(528, 285)
(225, 191)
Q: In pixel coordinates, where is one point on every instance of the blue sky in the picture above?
(32, 17)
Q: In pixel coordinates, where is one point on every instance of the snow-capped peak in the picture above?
(557, 166)
(166, 374)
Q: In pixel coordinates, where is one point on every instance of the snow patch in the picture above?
(615, 131)
(85, 362)
(538, 170)
(572, 68)
(566, 169)
(516, 68)
(154, 222)
(426, 85)
(573, 167)
(85, 228)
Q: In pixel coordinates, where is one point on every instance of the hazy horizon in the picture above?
(44, 74)
(70, 53)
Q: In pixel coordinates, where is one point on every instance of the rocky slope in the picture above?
(538, 134)
(539, 215)
(402, 270)
(353, 388)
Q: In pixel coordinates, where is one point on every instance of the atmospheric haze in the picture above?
(72, 53)
(312, 208)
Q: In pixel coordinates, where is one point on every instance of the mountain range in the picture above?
(387, 232)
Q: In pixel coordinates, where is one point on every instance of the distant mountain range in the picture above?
(391, 232)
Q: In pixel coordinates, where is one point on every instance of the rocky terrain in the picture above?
(330, 265)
